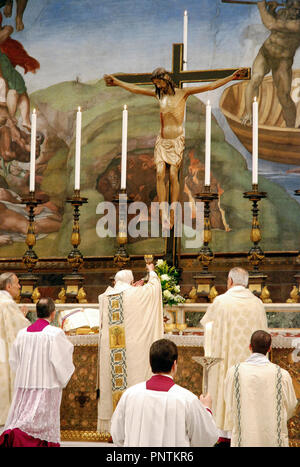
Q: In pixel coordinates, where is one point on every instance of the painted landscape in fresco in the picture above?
(69, 76)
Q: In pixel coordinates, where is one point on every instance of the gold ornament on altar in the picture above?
(73, 289)
(36, 295)
(256, 254)
(30, 258)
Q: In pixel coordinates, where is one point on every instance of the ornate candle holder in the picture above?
(205, 279)
(30, 258)
(73, 289)
(256, 254)
(294, 294)
(207, 363)
(121, 257)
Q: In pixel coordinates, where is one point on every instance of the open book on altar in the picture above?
(79, 320)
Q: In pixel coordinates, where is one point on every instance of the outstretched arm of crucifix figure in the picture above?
(111, 80)
(215, 84)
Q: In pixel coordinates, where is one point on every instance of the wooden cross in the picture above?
(179, 76)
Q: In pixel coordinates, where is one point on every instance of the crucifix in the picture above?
(179, 76)
(172, 98)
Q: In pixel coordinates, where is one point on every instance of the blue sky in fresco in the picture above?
(92, 37)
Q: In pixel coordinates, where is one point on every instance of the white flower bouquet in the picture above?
(169, 277)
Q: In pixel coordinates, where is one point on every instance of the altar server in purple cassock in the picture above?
(160, 413)
(42, 359)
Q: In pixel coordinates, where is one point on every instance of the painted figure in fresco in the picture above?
(12, 53)
(276, 55)
(14, 217)
(8, 7)
(169, 146)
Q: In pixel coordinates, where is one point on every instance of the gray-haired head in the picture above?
(5, 279)
(239, 276)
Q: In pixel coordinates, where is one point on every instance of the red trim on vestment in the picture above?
(159, 383)
(223, 440)
(17, 438)
(38, 325)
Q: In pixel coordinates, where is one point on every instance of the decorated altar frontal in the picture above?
(79, 401)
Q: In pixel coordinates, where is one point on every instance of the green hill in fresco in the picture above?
(101, 144)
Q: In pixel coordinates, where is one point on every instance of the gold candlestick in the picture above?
(205, 280)
(205, 254)
(256, 255)
(73, 289)
(30, 257)
(75, 257)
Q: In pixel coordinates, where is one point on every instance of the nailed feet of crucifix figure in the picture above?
(169, 145)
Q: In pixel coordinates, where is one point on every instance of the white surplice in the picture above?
(235, 314)
(175, 418)
(260, 399)
(143, 322)
(11, 321)
(43, 365)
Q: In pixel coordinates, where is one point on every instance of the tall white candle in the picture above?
(32, 152)
(185, 37)
(124, 148)
(208, 339)
(207, 144)
(78, 149)
(255, 142)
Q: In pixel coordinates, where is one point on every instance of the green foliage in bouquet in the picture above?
(169, 278)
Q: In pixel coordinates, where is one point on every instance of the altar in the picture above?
(79, 401)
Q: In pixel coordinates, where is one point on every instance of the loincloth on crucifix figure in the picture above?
(169, 145)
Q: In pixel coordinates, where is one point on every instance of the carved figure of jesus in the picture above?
(169, 145)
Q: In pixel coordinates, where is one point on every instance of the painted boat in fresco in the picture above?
(276, 142)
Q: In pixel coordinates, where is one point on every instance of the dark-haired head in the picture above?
(45, 307)
(260, 342)
(163, 354)
(160, 74)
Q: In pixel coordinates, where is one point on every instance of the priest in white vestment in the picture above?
(260, 398)
(235, 315)
(12, 319)
(131, 318)
(42, 359)
(160, 413)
